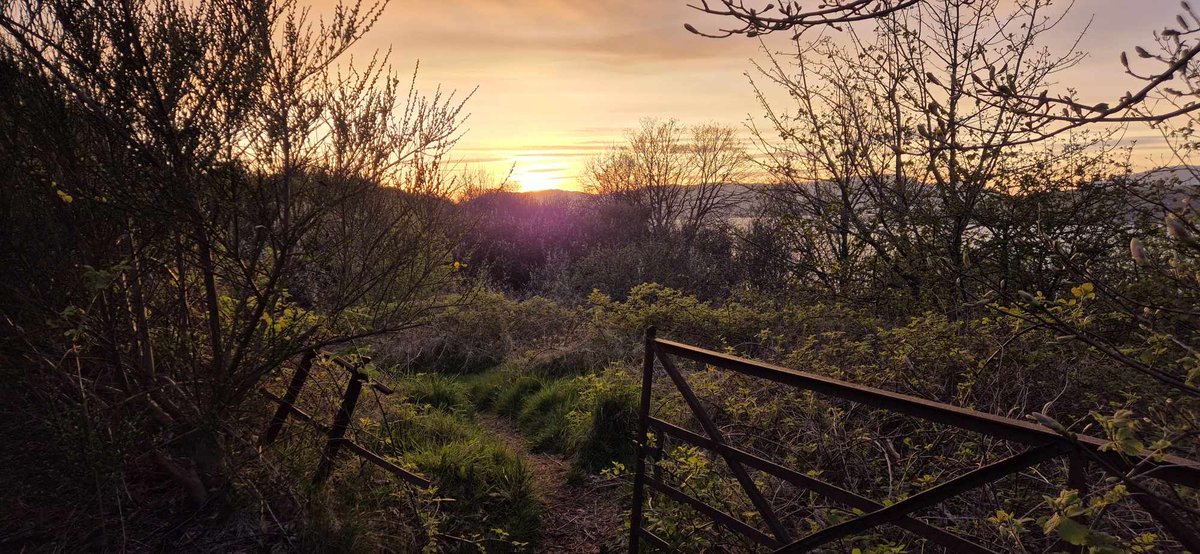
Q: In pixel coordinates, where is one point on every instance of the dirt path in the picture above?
(584, 518)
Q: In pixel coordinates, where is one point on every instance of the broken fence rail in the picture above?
(335, 432)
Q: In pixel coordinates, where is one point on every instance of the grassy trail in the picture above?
(578, 518)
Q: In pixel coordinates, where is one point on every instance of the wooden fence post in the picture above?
(337, 432)
(639, 472)
(289, 398)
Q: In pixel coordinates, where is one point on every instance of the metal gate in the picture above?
(1042, 443)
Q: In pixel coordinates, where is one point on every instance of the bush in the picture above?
(480, 334)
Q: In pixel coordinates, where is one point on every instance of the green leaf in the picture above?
(1072, 531)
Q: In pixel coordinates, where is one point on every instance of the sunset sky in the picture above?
(560, 80)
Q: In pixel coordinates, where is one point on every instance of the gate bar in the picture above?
(1172, 469)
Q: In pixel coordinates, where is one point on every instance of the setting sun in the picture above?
(529, 182)
(533, 173)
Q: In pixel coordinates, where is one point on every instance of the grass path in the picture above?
(584, 518)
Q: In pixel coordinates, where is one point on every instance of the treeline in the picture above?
(880, 241)
(564, 245)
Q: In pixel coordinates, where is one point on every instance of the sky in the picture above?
(557, 81)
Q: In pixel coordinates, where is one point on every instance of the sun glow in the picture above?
(533, 175)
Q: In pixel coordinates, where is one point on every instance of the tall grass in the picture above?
(544, 416)
(486, 487)
(439, 391)
(511, 398)
(609, 432)
(590, 418)
(483, 389)
(484, 497)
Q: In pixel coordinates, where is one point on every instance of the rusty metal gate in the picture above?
(1043, 443)
(336, 432)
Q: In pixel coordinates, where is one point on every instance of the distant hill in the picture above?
(746, 201)
(555, 196)
(1174, 186)
(1182, 174)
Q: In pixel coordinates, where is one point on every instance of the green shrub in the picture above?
(486, 329)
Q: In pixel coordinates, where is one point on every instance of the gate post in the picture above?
(289, 398)
(337, 432)
(639, 472)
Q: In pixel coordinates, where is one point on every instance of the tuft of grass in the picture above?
(433, 428)
(484, 499)
(483, 389)
(511, 398)
(355, 515)
(609, 438)
(490, 487)
(436, 390)
(321, 534)
(544, 417)
(590, 419)
(564, 361)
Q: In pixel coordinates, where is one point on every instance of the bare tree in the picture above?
(677, 177)
(474, 183)
(932, 149)
(886, 154)
(789, 15)
(1050, 113)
